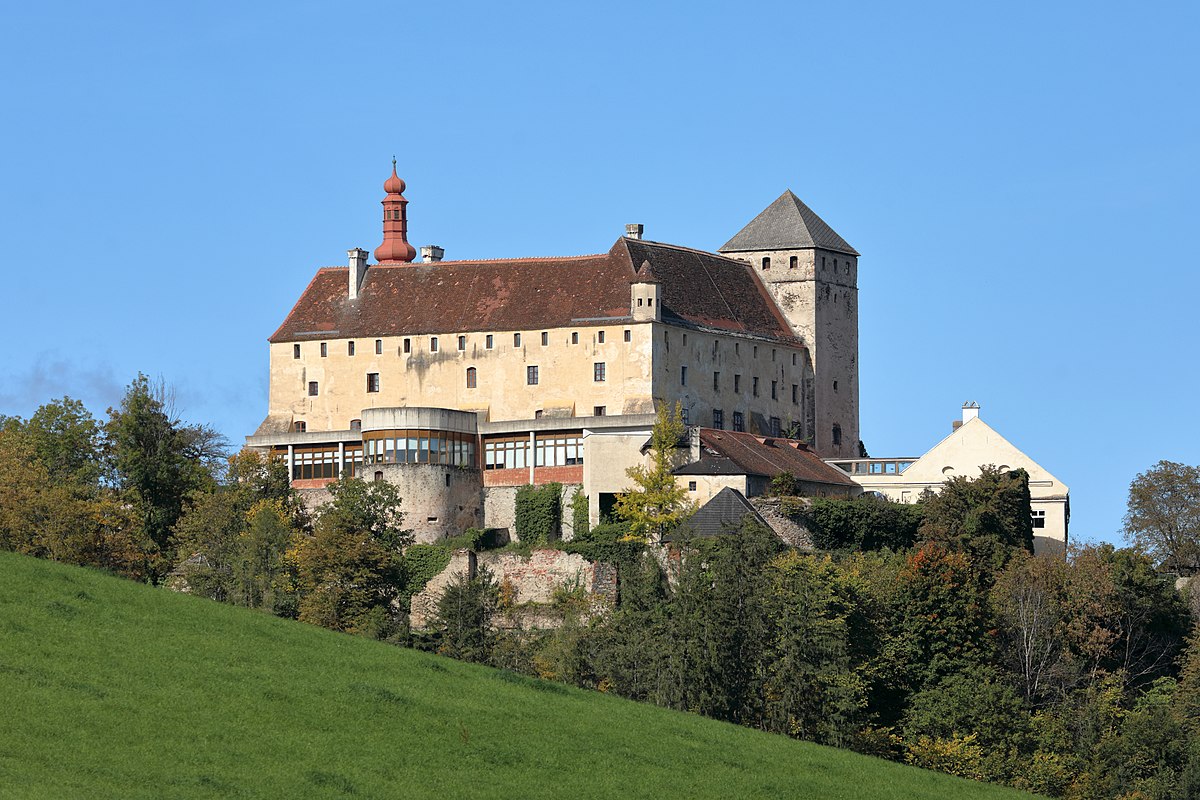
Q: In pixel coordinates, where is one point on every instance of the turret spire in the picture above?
(395, 247)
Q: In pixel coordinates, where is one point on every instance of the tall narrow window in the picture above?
(774, 386)
(792, 262)
(516, 340)
(754, 386)
(531, 376)
(718, 419)
(489, 342)
(433, 344)
(683, 376)
(295, 351)
(312, 388)
(575, 337)
(372, 381)
(349, 348)
(837, 435)
(793, 359)
(598, 372)
(324, 349)
(795, 394)
(667, 340)
(776, 426)
(600, 337)
(739, 421)
(628, 335)
(737, 383)
(408, 345)
(379, 347)
(684, 416)
(470, 377)
(716, 381)
(545, 338)
(766, 262)
(462, 343)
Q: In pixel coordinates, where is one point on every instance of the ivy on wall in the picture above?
(539, 513)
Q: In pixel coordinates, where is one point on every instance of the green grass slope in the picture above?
(113, 689)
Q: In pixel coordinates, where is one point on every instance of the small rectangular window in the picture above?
(795, 394)
(295, 351)
(349, 348)
(754, 386)
(774, 387)
(739, 421)
(324, 349)
(462, 343)
(598, 372)
(545, 338)
(755, 353)
(691, 486)
(793, 359)
(379, 347)
(531, 376)
(716, 381)
(599, 411)
(718, 418)
(772, 353)
(737, 383)
(628, 335)
(685, 416)
(408, 345)
(600, 337)
(683, 376)
(489, 342)
(516, 340)
(792, 262)
(575, 337)
(372, 381)
(1039, 518)
(433, 344)
(312, 388)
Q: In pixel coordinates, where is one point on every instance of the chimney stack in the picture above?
(970, 411)
(634, 230)
(431, 253)
(358, 270)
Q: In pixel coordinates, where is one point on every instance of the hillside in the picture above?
(115, 689)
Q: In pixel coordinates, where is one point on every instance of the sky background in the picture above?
(1020, 179)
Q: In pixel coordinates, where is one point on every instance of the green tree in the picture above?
(988, 517)
(658, 503)
(1163, 515)
(463, 620)
(67, 439)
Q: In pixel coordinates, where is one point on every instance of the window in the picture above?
(718, 418)
(295, 351)
(837, 435)
(754, 386)
(598, 372)
(774, 387)
(737, 348)
(599, 411)
(349, 348)
(545, 338)
(574, 337)
(716, 381)
(792, 262)
(312, 388)
(683, 376)
(372, 381)
(378, 475)
(489, 342)
(822, 263)
(739, 421)
(737, 383)
(462, 343)
(379, 347)
(537, 414)
(324, 349)
(685, 340)
(433, 344)
(776, 426)
(516, 340)
(835, 386)
(772, 353)
(356, 424)
(684, 416)
(766, 262)
(755, 353)
(628, 335)
(691, 486)
(470, 377)
(531, 376)
(600, 337)
(793, 359)
(299, 426)
(795, 394)
(667, 340)
(408, 345)
(1039, 518)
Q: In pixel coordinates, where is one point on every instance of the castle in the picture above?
(461, 381)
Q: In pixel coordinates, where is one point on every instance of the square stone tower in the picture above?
(813, 275)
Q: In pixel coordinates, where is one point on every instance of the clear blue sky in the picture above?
(1019, 177)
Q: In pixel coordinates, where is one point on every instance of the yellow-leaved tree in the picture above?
(657, 503)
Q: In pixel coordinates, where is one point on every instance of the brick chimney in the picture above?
(358, 270)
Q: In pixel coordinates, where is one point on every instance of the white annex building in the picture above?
(971, 445)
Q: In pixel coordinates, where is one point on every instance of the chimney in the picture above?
(358, 270)
(634, 230)
(970, 411)
(431, 254)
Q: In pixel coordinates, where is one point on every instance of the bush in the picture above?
(538, 513)
(864, 523)
(423, 562)
(579, 514)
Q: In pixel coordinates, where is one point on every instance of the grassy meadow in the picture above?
(114, 689)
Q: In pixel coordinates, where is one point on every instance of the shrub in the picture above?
(864, 523)
(579, 514)
(538, 513)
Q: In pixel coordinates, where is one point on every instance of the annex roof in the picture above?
(737, 453)
(787, 224)
(724, 512)
(697, 289)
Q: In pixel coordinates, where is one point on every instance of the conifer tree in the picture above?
(657, 503)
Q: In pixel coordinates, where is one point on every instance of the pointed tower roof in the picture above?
(787, 224)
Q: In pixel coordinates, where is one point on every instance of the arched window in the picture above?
(792, 262)
(356, 424)
(470, 377)
(299, 427)
(766, 262)
(378, 475)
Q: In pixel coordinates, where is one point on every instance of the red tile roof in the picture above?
(698, 288)
(735, 453)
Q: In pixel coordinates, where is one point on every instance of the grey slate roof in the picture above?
(787, 224)
(718, 516)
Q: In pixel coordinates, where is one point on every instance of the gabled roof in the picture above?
(787, 224)
(697, 289)
(723, 513)
(736, 453)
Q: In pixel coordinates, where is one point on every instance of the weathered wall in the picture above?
(438, 500)
(794, 534)
(500, 503)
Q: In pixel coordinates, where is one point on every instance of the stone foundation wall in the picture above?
(787, 529)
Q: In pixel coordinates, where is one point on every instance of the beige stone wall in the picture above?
(609, 455)
(424, 377)
(708, 486)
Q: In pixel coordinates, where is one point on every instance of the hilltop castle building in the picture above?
(462, 380)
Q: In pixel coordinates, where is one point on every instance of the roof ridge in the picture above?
(460, 262)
